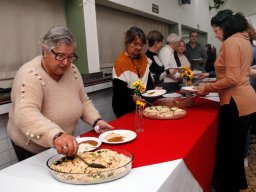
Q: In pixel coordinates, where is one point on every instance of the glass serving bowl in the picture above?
(181, 102)
(92, 175)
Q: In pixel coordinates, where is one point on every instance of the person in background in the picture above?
(48, 99)
(196, 53)
(237, 98)
(179, 55)
(253, 70)
(130, 66)
(211, 57)
(155, 43)
(252, 129)
(252, 34)
(166, 55)
(209, 67)
(253, 67)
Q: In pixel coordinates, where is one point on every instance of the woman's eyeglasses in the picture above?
(62, 57)
(137, 45)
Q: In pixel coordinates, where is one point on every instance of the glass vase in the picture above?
(186, 83)
(139, 119)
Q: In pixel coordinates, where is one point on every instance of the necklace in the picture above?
(137, 67)
(44, 68)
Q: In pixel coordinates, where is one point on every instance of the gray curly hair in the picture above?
(57, 35)
(173, 38)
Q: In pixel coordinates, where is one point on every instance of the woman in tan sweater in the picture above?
(237, 98)
(48, 99)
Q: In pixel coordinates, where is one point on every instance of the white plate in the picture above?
(126, 134)
(212, 94)
(189, 89)
(172, 95)
(154, 93)
(197, 59)
(87, 146)
(196, 72)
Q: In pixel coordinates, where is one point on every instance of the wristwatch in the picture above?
(95, 122)
(57, 135)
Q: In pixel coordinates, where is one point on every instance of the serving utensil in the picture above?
(93, 165)
(147, 102)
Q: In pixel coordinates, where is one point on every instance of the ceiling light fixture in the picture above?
(217, 4)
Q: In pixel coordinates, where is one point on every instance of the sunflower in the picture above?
(140, 103)
(139, 87)
(187, 75)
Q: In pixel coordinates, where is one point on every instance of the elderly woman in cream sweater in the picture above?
(48, 99)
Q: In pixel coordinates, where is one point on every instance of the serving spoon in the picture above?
(148, 102)
(93, 165)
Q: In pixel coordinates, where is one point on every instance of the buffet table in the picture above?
(170, 155)
(192, 139)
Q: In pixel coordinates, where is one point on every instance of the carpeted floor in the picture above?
(251, 169)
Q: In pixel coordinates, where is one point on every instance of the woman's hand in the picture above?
(102, 126)
(158, 88)
(203, 75)
(66, 144)
(200, 90)
(172, 71)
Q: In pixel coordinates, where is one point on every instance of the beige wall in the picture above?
(23, 23)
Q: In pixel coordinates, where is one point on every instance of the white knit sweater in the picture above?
(42, 107)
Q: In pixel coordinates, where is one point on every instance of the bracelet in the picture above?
(57, 135)
(97, 129)
(96, 121)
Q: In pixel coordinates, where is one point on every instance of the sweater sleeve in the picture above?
(28, 95)
(232, 62)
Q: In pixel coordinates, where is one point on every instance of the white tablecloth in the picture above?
(32, 175)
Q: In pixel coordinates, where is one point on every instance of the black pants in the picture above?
(21, 153)
(170, 87)
(229, 170)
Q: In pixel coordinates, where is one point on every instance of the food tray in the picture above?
(88, 175)
(181, 102)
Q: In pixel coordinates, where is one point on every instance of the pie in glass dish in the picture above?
(164, 112)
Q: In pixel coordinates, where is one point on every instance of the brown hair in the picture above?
(154, 36)
(133, 33)
(252, 33)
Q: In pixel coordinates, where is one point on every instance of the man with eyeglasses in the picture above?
(48, 99)
(196, 53)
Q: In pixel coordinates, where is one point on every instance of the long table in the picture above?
(192, 139)
(170, 155)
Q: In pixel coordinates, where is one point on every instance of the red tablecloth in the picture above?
(192, 138)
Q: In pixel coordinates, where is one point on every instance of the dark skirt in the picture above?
(229, 170)
(21, 153)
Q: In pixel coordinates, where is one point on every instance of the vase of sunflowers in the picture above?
(187, 76)
(139, 88)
